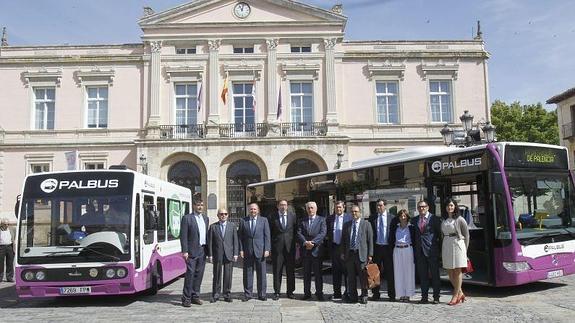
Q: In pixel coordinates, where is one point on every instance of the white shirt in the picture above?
(5, 237)
(201, 227)
(382, 236)
(337, 227)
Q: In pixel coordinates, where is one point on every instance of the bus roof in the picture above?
(406, 155)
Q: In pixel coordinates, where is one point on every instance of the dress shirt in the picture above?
(223, 227)
(310, 221)
(201, 228)
(337, 227)
(5, 237)
(382, 229)
(283, 220)
(356, 234)
(402, 235)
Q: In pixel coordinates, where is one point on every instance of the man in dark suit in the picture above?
(255, 245)
(223, 251)
(381, 224)
(311, 233)
(335, 224)
(193, 239)
(427, 250)
(283, 228)
(357, 253)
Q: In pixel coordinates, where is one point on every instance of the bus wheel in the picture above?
(155, 279)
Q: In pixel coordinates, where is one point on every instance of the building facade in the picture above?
(221, 93)
(566, 120)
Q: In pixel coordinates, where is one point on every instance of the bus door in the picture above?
(470, 192)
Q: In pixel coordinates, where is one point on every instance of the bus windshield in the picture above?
(75, 229)
(541, 203)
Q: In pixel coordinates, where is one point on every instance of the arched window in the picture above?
(187, 174)
(239, 174)
(301, 166)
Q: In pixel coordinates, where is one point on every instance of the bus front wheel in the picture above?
(155, 279)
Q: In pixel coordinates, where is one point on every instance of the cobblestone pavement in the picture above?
(542, 301)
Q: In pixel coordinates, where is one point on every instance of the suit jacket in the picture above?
(329, 221)
(226, 247)
(392, 221)
(254, 244)
(316, 234)
(190, 234)
(364, 239)
(429, 241)
(283, 238)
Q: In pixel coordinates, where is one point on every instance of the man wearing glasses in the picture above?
(223, 251)
(427, 250)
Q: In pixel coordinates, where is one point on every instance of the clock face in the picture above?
(242, 10)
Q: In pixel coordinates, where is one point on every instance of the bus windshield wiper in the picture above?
(80, 249)
(114, 258)
(539, 237)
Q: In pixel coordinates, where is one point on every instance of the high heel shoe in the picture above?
(454, 302)
(462, 298)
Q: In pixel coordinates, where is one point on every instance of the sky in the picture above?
(531, 42)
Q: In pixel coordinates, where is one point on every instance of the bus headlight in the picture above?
(40, 275)
(93, 272)
(121, 272)
(28, 275)
(110, 273)
(516, 267)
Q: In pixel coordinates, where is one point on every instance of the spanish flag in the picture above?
(224, 94)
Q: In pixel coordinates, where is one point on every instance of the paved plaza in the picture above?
(548, 301)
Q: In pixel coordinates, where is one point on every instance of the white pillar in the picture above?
(155, 83)
(271, 76)
(213, 90)
(329, 44)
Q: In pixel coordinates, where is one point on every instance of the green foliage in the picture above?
(528, 123)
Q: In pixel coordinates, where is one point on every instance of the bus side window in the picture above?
(149, 219)
(502, 233)
(186, 208)
(161, 219)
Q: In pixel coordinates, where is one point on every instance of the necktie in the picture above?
(337, 238)
(223, 229)
(353, 244)
(253, 226)
(380, 231)
(422, 223)
(310, 222)
(283, 221)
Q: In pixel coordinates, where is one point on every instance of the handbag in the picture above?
(469, 268)
(372, 275)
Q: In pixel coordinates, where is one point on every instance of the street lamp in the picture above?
(144, 164)
(339, 160)
(467, 136)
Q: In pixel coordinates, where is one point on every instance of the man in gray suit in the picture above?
(357, 252)
(223, 251)
(255, 245)
(311, 233)
(193, 239)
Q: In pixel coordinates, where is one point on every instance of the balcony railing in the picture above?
(238, 130)
(303, 129)
(568, 131)
(184, 131)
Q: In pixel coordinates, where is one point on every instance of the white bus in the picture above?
(98, 232)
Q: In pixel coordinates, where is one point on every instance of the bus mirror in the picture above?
(17, 206)
(497, 183)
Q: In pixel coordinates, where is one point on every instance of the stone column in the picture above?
(272, 87)
(212, 126)
(331, 116)
(155, 83)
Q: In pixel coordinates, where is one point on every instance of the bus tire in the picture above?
(155, 279)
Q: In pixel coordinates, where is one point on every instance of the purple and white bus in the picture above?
(518, 200)
(98, 232)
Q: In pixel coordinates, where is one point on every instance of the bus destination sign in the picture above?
(541, 157)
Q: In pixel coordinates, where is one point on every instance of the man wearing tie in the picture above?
(283, 228)
(254, 234)
(335, 224)
(311, 233)
(427, 250)
(381, 224)
(193, 237)
(223, 251)
(357, 251)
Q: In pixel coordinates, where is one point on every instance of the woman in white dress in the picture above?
(401, 237)
(454, 248)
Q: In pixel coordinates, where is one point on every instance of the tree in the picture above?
(528, 123)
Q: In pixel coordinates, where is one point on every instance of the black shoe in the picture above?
(213, 300)
(10, 280)
(336, 296)
(306, 297)
(276, 297)
(424, 301)
(197, 301)
(246, 298)
(187, 304)
(263, 298)
(291, 296)
(436, 301)
(363, 300)
(391, 299)
(320, 298)
(374, 298)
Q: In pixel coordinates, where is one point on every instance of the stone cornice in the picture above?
(42, 75)
(386, 69)
(70, 59)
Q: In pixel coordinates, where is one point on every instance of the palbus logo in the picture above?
(49, 185)
(436, 166)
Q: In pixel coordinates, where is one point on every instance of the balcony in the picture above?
(568, 130)
(182, 131)
(242, 130)
(303, 129)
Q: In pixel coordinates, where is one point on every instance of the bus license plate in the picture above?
(555, 273)
(75, 290)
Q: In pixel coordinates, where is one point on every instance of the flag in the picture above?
(254, 95)
(224, 94)
(199, 97)
(279, 104)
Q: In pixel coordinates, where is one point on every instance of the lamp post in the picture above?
(144, 164)
(468, 136)
(339, 160)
